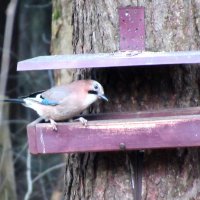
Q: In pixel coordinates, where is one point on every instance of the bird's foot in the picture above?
(53, 124)
(82, 120)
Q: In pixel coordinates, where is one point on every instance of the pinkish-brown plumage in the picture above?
(65, 101)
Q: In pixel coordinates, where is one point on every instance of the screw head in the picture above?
(122, 146)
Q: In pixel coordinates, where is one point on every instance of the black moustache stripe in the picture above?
(92, 92)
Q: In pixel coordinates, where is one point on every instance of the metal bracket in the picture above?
(132, 28)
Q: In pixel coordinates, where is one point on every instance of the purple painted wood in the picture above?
(144, 130)
(145, 114)
(31, 130)
(117, 59)
(132, 28)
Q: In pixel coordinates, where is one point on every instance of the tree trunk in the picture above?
(7, 177)
(91, 27)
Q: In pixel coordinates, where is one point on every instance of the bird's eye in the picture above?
(96, 87)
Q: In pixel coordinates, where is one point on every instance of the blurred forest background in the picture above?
(31, 37)
(167, 174)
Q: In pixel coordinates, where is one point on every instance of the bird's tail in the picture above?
(18, 101)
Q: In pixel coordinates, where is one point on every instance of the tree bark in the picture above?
(7, 177)
(91, 27)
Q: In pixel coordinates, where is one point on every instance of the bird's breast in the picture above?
(63, 112)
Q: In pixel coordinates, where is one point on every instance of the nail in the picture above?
(122, 146)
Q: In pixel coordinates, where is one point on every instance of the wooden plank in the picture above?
(116, 134)
(118, 59)
(31, 130)
(145, 114)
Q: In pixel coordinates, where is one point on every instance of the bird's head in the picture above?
(96, 89)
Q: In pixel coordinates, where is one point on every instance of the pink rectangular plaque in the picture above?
(132, 28)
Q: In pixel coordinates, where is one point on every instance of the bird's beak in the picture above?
(103, 97)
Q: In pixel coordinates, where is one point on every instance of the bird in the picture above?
(64, 101)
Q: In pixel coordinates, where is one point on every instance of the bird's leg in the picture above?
(53, 124)
(82, 120)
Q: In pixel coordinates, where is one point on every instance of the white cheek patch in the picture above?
(91, 98)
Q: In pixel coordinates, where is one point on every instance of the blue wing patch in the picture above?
(49, 102)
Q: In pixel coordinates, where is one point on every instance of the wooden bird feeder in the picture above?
(118, 131)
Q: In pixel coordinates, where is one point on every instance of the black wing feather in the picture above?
(33, 95)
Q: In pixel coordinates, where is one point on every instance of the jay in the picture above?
(64, 101)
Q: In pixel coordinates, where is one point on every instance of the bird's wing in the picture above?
(57, 93)
(51, 97)
(38, 97)
(34, 94)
